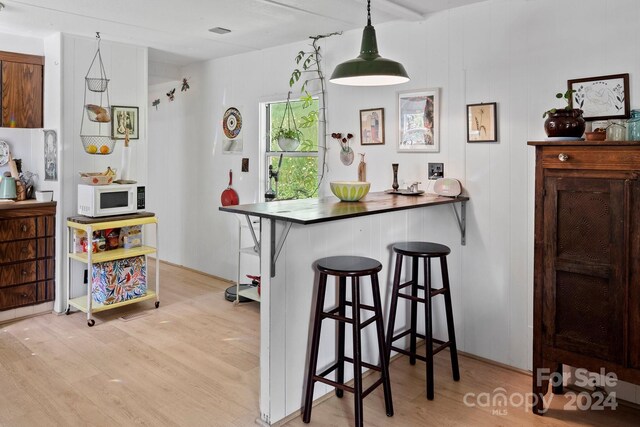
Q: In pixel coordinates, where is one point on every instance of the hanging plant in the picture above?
(289, 136)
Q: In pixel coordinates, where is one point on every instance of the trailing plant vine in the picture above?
(308, 72)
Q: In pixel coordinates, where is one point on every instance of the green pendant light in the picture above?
(369, 68)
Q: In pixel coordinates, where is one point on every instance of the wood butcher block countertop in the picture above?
(311, 211)
(25, 204)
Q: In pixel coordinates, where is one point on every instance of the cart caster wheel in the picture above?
(91, 322)
(68, 311)
(157, 304)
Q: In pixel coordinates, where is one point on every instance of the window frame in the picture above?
(266, 155)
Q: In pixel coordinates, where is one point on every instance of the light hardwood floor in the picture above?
(194, 362)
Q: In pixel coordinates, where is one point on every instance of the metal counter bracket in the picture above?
(276, 248)
(462, 221)
(256, 242)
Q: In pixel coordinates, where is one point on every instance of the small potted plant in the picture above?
(288, 139)
(564, 122)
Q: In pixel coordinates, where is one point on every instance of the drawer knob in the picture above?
(563, 157)
(24, 295)
(24, 272)
(24, 228)
(25, 249)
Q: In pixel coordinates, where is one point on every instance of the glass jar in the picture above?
(633, 126)
(617, 131)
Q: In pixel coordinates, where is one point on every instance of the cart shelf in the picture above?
(81, 302)
(112, 255)
(251, 293)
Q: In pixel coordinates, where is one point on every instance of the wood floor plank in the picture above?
(195, 362)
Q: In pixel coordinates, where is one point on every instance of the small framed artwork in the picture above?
(418, 121)
(372, 126)
(123, 119)
(482, 122)
(50, 155)
(601, 98)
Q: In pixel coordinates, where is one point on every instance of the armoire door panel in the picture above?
(585, 280)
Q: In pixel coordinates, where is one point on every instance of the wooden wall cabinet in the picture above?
(27, 253)
(22, 90)
(587, 260)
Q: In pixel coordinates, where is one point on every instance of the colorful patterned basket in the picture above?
(119, 280)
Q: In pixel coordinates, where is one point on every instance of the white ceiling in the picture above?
(177, 31)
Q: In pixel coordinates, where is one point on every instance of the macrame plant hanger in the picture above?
(289, 144)
(95, 132)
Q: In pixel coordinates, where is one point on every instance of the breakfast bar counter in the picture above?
(296, 233)
(311, 211)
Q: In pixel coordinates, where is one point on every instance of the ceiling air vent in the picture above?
(219, 30)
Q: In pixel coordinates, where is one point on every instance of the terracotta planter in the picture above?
(565, 123)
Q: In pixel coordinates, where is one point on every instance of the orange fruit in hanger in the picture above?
(104, 149)
(92, 149)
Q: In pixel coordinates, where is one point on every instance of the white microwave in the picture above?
(112, 199)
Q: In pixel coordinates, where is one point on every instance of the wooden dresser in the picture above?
(27, 253)
(587, 260)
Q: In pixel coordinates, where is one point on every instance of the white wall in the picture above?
(21, 44)
(517, 53)
(126, 67)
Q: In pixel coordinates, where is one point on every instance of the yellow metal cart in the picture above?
(86, 303)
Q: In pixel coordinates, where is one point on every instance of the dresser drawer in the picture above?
(17, 296)
(19, 228)
(590, 157)
(25, 250)
(26, 272)
(20, 250)
(15, 274)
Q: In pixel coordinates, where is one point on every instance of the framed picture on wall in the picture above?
(482, 122)
(372, 126)
(418, 121)
(601, 98)
(123, 119)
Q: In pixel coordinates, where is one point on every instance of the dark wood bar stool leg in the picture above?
(342, 289)
(453, 348)
(394, 303)
(315, 344)
(384, 361)
(414, 310)
(357, 351)
(428, 326)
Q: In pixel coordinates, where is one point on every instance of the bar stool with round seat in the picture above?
(425, 251)
(354, 267)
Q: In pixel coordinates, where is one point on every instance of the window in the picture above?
(298, 175)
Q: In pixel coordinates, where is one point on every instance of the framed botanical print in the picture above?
(372, 126)
(601, 98)
(418, 121)
(482, 122)
(124, 119)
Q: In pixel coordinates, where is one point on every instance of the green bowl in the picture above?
(349, 191)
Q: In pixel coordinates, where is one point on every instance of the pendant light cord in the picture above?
(369, 12)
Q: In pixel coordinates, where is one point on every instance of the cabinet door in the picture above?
(21, 95)
(634, 279)
(584, 273)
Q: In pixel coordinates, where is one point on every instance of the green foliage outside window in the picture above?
(298, 174)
